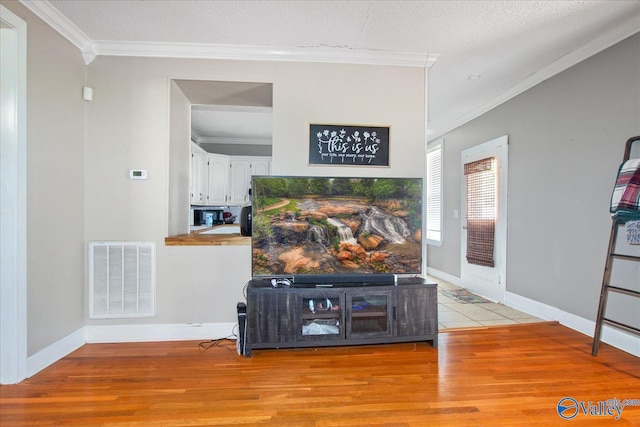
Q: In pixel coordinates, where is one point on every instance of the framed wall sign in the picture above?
(348, 145)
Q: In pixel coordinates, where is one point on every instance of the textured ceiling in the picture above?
(488, 50)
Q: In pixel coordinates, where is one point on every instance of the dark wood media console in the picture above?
(332, 314)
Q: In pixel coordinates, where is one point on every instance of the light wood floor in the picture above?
(513, 375)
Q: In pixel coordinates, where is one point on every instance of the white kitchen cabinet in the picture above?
(218, 179)
(242, 168)
(261, 166)
(240, 180)
(198, 175)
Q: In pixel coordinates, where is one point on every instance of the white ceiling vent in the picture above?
(121, 279)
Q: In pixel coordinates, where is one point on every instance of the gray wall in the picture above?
(566, 138)
(55, 184)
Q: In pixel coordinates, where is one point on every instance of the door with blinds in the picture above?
(483, 245)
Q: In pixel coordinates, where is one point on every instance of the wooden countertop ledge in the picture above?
(197, 238)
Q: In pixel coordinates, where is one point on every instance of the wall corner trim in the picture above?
(55, 352)
(56, 20)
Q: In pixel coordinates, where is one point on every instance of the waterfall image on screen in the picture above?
(310, 225)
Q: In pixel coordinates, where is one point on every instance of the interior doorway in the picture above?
(483, 243)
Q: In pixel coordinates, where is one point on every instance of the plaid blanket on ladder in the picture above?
(626, 193)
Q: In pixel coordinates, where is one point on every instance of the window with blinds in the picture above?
(481, 210)
(434, 192)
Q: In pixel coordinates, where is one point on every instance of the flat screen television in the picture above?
(334, 229)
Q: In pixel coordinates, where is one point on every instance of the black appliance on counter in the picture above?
(245, 221)
(208, 217)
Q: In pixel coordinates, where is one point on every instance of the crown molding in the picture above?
(323, 54)
(195, 136)
(603, 42)
(50, 15)
(231, 108)
(327, 54)
(342, 55)
(234, 140)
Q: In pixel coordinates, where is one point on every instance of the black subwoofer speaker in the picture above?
(242, 324)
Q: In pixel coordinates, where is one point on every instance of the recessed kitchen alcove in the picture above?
(222, 117)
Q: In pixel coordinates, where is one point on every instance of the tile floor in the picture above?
(453, 314)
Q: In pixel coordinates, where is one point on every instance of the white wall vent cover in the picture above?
(122, 279)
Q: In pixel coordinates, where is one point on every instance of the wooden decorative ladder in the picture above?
(616, 223)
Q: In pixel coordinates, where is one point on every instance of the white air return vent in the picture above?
(122, 279)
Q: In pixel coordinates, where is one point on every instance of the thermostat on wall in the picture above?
(138, 174)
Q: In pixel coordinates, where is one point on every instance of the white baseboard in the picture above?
(126, 333)
(532, 307)
(55, 352)
(162, 332)
(610, 335)
(444, 276)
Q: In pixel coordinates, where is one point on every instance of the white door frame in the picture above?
(13, 199)
(497, 148)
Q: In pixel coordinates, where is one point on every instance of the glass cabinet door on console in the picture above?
(369, 314)
(322, 316)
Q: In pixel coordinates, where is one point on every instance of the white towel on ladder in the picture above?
(633, 232)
